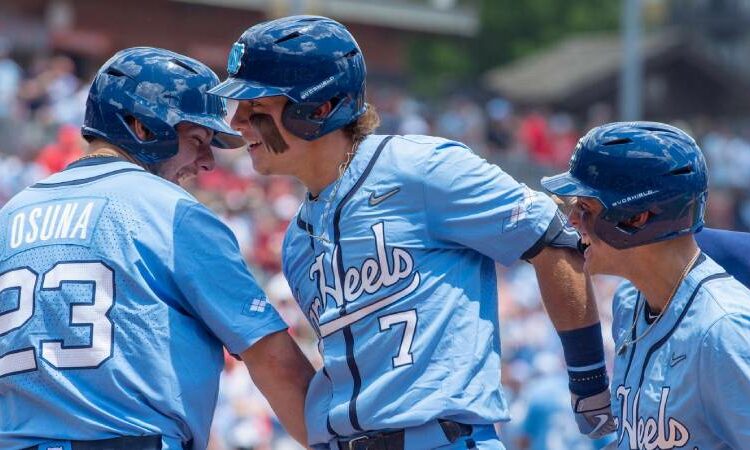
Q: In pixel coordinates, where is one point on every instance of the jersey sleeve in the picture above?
(724, 377)
(475, 204)
(216, 283)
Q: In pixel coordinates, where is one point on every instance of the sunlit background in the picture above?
(519, 81)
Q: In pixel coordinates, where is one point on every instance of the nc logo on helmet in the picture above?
(235, 58)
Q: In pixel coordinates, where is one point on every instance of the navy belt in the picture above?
(394, 440)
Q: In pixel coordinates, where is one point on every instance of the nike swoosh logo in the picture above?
(378, 199)
(676, 360)
(602, 418)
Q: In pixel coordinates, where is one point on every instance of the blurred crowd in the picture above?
(41, 111)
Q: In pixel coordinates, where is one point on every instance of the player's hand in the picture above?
(593, 414)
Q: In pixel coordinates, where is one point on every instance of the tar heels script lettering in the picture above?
(58, 221)
(661, 433)
(373, 275)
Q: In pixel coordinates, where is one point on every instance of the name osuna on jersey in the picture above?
(107, 302)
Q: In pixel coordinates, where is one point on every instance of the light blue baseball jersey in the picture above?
(117, 291)
(686, 383)
(401, 287)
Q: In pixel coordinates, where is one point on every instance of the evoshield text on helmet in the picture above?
(310, 60)
(160, 89)
(634, 167)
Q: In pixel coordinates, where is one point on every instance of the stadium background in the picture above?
(518, 81)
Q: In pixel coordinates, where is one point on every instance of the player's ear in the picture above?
(638, 221)
(140, 129)
(323, 110)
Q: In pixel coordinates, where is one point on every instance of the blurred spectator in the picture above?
(67, 148)
(500, 132)
(534, 135)
(463, 120)
(728, 158)
(563, 136)
(10, 82)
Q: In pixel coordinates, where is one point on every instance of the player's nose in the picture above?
(240, 120)
(206, 159)
(574, 218)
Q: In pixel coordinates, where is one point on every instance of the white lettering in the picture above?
(371, 282)
(323, 288)
(662, 433)
(63, 226)
(310, 91)
(352, 286)
(48, 224)
(16, 234)
(31, 236)
(373, 275)
(83, 221)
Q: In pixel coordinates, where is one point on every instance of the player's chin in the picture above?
(261, 168)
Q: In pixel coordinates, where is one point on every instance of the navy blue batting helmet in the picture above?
(160, 89)
(308, 59)
(634, 167)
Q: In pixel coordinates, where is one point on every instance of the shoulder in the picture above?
(726, 340)
(410, 152)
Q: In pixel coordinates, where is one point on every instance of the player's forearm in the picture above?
(566, 290)
(571, 305)
(282, 373)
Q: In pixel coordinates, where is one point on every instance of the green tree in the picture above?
(509, 29)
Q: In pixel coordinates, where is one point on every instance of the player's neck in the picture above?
(323, 160)
(103, 148)
(658, 269)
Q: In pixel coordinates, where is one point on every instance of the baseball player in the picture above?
(681, 322)
(392, 254)
(118, 289)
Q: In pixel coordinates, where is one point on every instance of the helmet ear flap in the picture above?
(300, 120)
(636, 222)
